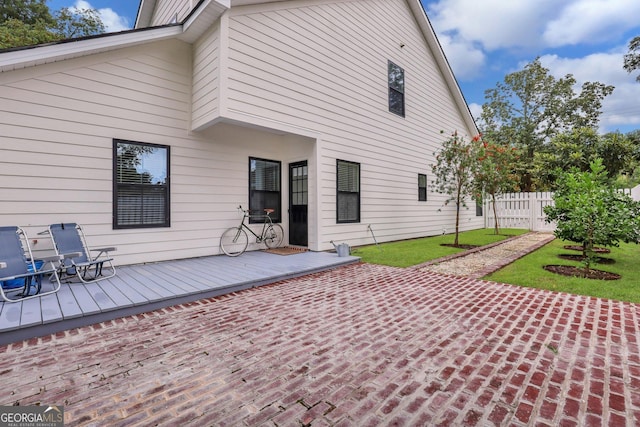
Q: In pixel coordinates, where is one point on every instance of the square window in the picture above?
(141, 185)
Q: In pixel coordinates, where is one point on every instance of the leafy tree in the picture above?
(632, 59)
(578, 148)
(454, 170)
(29, 12)
(30, 22)
(71, 23)
(494, 174)
(15, 33)
(531, 106)
(587, 210)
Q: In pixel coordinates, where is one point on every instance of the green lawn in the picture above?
(528, 272)
(416, 251)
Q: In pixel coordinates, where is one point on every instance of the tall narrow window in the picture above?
(479, 208)
(348, 190)
(264, 188)
(422, 187)
(396, 89)
(140, 185)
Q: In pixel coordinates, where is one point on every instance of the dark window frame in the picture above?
(119, 188)
(396, 89)
(346, 193)
(258, 211)
(479, 207)
(422, 189)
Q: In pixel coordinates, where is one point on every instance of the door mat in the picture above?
(286, 250)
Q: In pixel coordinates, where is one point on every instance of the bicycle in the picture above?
(234, 240)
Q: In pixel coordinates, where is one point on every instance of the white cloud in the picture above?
(621, 108)
(111, 20)
(497, 24)
(592, 21)
(493, 23)
(464, 58)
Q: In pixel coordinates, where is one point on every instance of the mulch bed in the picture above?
(595, 249)
(568, 270)
(580, 258)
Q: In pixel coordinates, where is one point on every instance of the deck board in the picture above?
(139, 288)
(50, 307)
(31, 313)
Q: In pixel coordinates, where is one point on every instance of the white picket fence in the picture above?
(519, 210)
(525, 210)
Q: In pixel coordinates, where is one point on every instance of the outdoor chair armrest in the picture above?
(71, 255)
(52, 258)
(111, 249)
(3, 265)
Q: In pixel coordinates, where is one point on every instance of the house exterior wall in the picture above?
(57, 125)
(284, 81)
(206, 82)
(323, 67)
(170, 11)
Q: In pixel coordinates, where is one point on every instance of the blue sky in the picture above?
(486, 39)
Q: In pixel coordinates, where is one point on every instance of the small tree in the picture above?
(589, 211)
(494, 173)
(454, 171)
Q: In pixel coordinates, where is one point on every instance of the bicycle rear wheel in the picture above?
(234, 241)
(273, 236)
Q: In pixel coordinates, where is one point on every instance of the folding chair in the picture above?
(19, 274)
(70, 243)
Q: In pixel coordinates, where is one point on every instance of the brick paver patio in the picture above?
(360, 345)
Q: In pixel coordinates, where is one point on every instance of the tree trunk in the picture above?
(495, 214)
(455, 242)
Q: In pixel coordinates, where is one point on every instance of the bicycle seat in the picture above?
(269, 211)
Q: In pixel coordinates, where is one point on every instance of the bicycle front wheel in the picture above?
(273, 236)
(234, 241)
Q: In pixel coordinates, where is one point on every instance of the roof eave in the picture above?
(145, 13)
(201, 18)
(207, 12)
(443, 63)
(37, 55)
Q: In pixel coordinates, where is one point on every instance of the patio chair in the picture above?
(19, 274)
(70, 243)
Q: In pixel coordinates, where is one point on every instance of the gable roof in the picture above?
(189, 30)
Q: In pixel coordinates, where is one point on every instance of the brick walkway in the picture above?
(360, 345)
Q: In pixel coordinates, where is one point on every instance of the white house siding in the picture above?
(57, 124)
(205, 78)
(323, 67)
(166, 11)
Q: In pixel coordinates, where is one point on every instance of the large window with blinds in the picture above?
(348, 192)
(264, 188)
(140, 185)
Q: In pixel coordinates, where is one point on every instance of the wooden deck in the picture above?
(141, 288)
